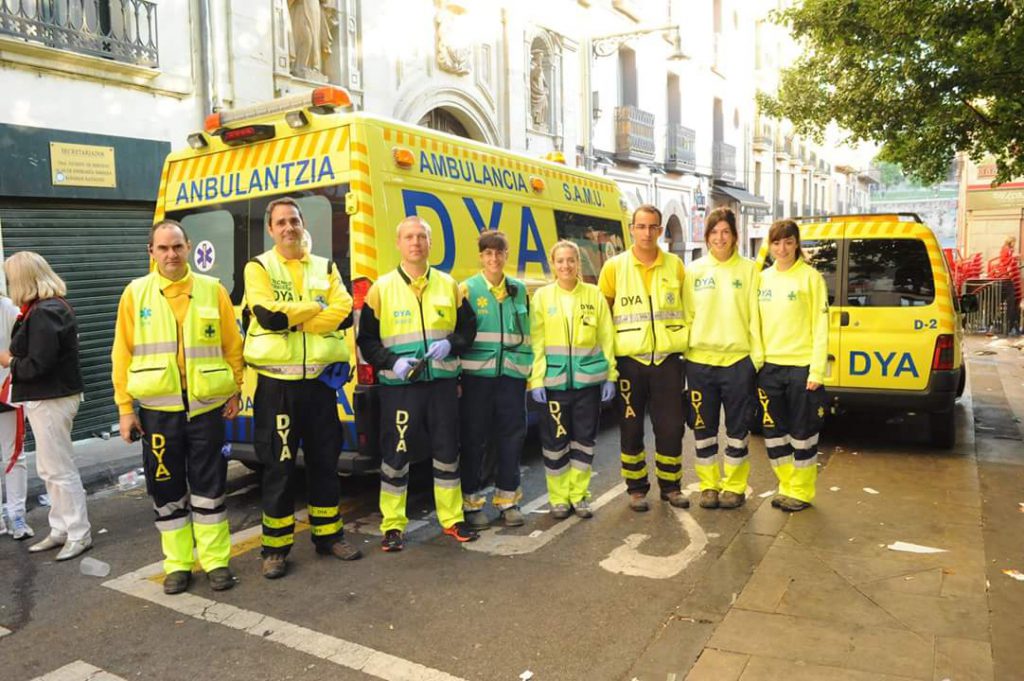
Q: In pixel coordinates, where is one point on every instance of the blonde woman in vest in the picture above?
(724, 355)
(573, 373)
(47, 378)
(793, 300)
(177, 350)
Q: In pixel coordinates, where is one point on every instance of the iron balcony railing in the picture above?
(723, 161)
(780, 210)
(634, 134)
(807, 210)
(764, 136)
(793, 212)
(121, 30)
(680, 149)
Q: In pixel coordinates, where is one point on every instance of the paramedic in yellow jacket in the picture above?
(644, 289)
(413, 327)
(573, 373)
(793, 300)
(724, 355)
(178, 352)
(295, 340)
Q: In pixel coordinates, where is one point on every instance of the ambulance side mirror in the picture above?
(968, 303)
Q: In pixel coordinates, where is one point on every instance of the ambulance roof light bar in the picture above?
(321, 100)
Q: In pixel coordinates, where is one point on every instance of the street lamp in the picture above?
(607, 45)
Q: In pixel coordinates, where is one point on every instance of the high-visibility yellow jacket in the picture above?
(210, 370)
(720, 299)
(794, 318)
(287, 339)
(647, 306)
(573, 338)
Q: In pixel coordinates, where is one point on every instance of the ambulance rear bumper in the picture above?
(939, 396)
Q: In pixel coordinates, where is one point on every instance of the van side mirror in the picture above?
(968, 303)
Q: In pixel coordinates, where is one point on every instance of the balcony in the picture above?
(764, 137)
(634, 135)
(119, 30)
(810, 160)
(793, 212)
(723, 162)
(680, 149)
(780, 210)
(806, 210)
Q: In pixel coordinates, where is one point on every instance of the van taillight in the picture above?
(942, 360)
(360, 287)
(366, 374)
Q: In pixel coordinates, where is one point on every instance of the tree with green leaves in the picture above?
(926, 78)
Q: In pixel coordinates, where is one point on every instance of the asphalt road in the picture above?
(574, 599)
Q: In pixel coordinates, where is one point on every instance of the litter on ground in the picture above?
(907, 547)
(871, 490)
(1014, 574)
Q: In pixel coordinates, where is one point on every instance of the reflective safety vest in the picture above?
(294, 355)
(408, 325)
(153, 375)
(573, 357)
(648, 326)
(502, 345)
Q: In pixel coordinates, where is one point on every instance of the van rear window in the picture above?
(889, 273)
(599, 240)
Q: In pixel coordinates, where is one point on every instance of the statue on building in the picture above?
(451, 56)
(329, 21)
(306, 24)
(538, 92)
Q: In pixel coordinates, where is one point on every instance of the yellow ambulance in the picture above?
(356, 176)
(895, 332)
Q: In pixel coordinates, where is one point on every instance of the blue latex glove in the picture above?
(403, 366)
(438, 350)
(607, 391)
(335, 375)
(539, 395)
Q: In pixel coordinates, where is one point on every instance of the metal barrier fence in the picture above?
(996, 303)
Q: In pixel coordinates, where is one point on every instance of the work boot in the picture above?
(341, 550)
(477, 520)
(393, 541)
(513, 517)
(676, 498)
(461, 532)
(561, 511)
(777, 500)
(638, 502)
(274, 566)
(582, 508)
(792, 505)
(731, 500)
(177, 582)
(221, 579)
(708, 498)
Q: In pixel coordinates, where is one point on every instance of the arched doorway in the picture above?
(444, 121)
(675, 236)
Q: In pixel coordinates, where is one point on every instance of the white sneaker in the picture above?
(73, 549)
(3, 525)
(21, 529)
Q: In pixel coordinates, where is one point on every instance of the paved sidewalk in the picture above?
(819, 595)
(99, 461)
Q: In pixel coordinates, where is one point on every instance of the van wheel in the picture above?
(942, 426)
(962, 384)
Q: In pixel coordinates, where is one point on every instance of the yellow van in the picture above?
(356, 176)
(895, 334)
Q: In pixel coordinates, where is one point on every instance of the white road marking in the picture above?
(627, 559)
(322, 646)
(78, 671)
(497, 544)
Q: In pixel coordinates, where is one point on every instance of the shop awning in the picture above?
(750, 204)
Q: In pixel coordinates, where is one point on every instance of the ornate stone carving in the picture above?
(539, 92)
(306, 45)
(452, 56)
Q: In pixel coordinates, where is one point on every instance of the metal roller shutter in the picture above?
(97, 251)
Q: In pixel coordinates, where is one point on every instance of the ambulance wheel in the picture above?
(962, 384)
(943, 429)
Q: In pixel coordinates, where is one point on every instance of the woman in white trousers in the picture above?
(47, 380)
